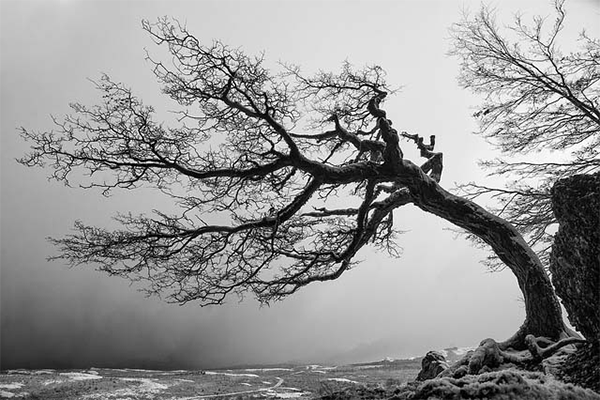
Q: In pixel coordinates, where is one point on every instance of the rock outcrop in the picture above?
(432, 365)
(575, 268)
(575, 257)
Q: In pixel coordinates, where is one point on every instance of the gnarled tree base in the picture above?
(504, 385)
(491, 355)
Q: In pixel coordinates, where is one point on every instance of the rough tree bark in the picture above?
(542, 309)
(543, 314)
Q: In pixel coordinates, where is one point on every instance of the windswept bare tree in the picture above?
(537, 98)
(280, 179)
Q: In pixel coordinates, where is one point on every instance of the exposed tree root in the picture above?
(490, 355)
(539, 353)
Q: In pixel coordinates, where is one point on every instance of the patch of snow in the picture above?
(19, 372)
(140, 370)
(231, 374)
(388, 359)
(185, 380)
(178, 371)
(44, 371)
(147, 387)
(463, 350)
(11, 386)
(293, 395)
(52, 382)
(456, 351)
(245, 384)
(266, 383)
(368, 366)
(266, 369)
(288, 395)
(147, 371)
(6, 395)
(342, 380)
(80, 376)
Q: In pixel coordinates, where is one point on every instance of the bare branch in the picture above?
(535, 98)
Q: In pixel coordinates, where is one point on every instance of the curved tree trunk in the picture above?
(543, 312)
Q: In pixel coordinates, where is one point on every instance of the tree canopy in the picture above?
(243, 155)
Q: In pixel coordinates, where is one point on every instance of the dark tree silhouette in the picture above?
(280, 179)
(537, 98)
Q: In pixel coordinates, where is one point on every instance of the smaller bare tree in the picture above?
(536, 98)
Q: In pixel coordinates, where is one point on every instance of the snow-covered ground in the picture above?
(296, 382)
(6, 394)
(265, 369)
(231, 374)
(342, 380)
(79, 376)
(146, 387)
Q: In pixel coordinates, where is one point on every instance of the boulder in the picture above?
(432, 365)
(575, 256)
(575, 268)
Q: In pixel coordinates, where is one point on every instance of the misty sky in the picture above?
(437, 295)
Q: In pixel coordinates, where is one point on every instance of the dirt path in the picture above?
(214, 396)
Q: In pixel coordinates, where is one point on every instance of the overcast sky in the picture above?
(437, 295)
